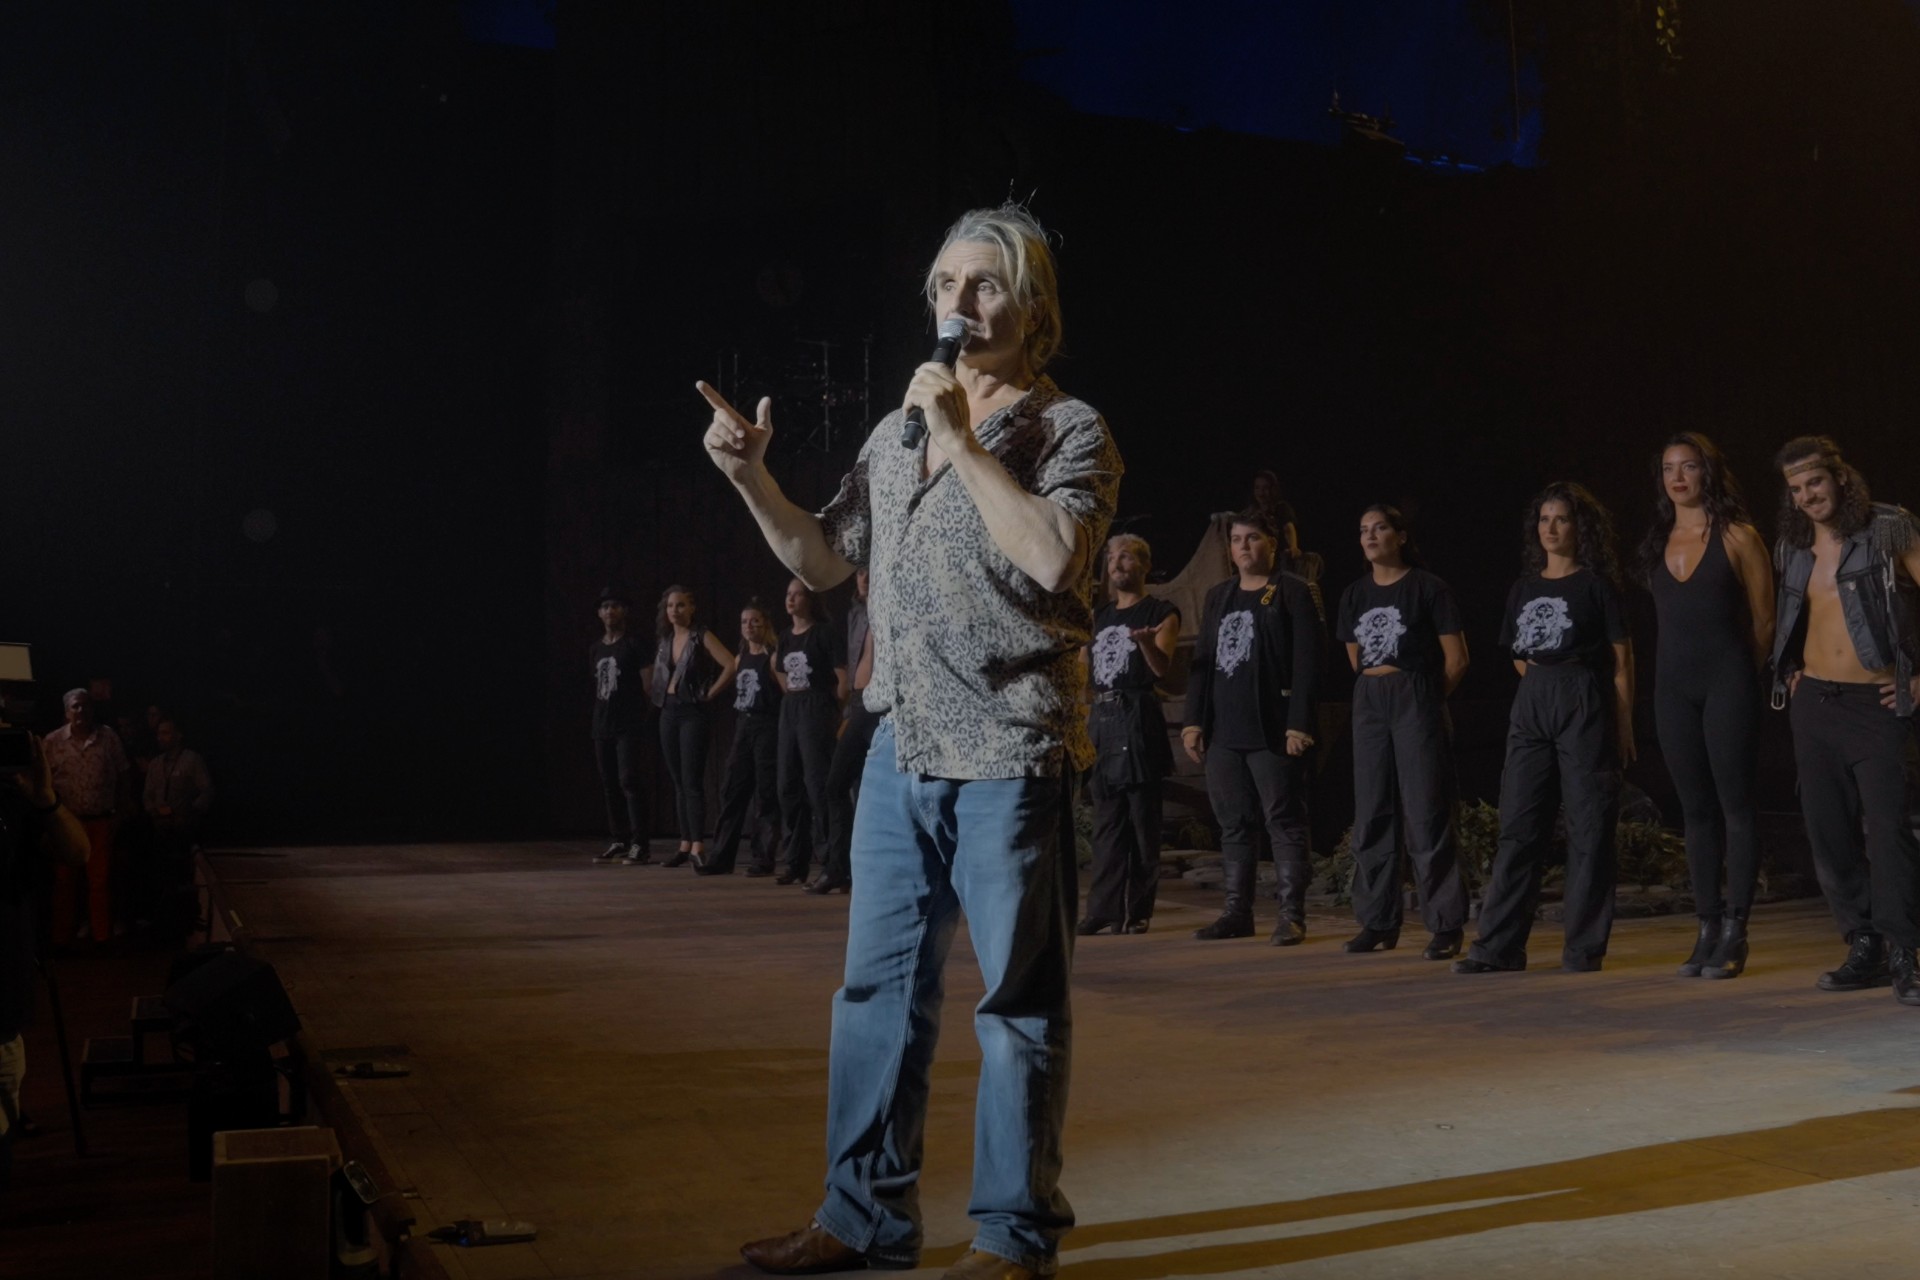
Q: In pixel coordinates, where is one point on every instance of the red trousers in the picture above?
(99, 871)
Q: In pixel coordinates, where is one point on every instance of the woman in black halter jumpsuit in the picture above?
(1712, 591)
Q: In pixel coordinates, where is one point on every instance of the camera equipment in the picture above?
(16, 750)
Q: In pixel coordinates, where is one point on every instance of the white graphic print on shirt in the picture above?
(606, 678)
(1378, 634)
(748, 688)
(1236, 640)
(1111, 649)
(1541, 624)
(799, 671)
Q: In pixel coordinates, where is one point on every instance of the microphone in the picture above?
(953, 332)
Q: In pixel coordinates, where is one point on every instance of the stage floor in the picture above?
(634, 1060)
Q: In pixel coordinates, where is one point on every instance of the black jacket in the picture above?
(1879, 601)
(1289, 650)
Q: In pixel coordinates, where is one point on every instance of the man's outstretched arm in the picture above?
(739, 448)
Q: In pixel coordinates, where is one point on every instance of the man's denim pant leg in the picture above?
(924, 850)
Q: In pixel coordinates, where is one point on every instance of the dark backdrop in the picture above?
(495, 272)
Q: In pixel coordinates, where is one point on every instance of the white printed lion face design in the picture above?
(1378, 634)
(747, 688)
(606, 678)
(1111, 650)
(1236, 641)
(799, 671)
(1541, 625)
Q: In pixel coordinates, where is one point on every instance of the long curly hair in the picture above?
(1409, 553)
(1594, 543)
(661, 626)
(1720, 495)
(1856, 501)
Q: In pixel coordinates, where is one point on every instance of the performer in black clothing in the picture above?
(1572, 720)
(1134, 636)
(1404, 638)
(1713, 595)
(1846, 655)
(813, 673)
(618, 662)
(849, 750)
(1251, 701)
(690, 669)
(750, 796)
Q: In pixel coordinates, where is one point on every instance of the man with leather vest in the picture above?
(1844, 658)
(1251, 702)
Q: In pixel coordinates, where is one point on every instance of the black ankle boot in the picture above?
(1865, 965)
(1227, 926)
(1443, 946)
(1729, 956)
(1906, 982)
(1702, 947)
(1372, 940)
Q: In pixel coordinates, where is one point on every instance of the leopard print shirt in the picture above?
(978, 665)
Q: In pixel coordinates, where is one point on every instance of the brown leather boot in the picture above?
(810, 1251)
(988, 1266)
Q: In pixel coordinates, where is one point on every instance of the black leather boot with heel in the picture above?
(1703, 946)
(1729, 956)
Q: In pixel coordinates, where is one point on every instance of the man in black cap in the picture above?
(619, 724)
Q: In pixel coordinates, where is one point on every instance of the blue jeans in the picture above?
(924, 850)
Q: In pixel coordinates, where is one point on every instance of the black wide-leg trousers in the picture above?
(1401, 771)
(750, 796)
(1126, 850)
(807, 725)
(1560, 751)
(1851, 755)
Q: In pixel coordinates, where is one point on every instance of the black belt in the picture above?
(1117, 695)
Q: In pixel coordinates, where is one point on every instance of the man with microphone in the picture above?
(979, 533)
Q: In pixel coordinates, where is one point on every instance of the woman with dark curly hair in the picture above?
(1712, 588)
(1568, 735)
(690, 669)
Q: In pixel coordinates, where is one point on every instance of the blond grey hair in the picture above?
(1133, 541)
(1028, 258)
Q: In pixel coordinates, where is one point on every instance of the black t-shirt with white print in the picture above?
(1399, 625)
(808, 659)
(1116, 660)
(619, 697)
(755, 692)
(1578, 618)
(1237, 722)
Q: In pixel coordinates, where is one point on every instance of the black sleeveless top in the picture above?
(1704, 619)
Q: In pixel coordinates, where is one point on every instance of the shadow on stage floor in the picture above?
(1669, 1175)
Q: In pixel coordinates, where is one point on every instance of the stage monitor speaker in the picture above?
(236, 1005)
(272, 1197)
